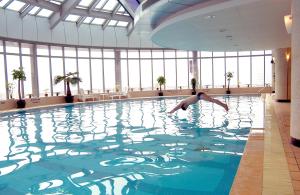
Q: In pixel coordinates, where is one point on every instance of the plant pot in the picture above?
(160, 93)
(21, 104)
(193, 92)
(69, 99)
(228, 92)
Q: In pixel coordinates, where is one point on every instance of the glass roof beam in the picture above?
(80, 21)
(66, 8)
(127, 7)
(26, 11)
(43, 4)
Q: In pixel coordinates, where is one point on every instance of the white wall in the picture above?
(32, 28)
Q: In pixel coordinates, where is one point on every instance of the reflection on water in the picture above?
(130, 147)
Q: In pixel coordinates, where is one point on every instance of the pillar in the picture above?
(282, 74)
(295, 76)
(118, 86)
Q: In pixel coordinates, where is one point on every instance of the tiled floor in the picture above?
(269, 161)
(292, 153)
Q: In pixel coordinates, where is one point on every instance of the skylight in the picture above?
(16, 5)
(72, 18)
(122, 23)
(45, 13)
(100, 4)
(3, 2)
(85, 3)
(110, 5)
(57, 2)
(87, 20)
(99, 21)
(34, 10)
(112, 23)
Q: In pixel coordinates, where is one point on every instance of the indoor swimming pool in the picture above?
(126, 147)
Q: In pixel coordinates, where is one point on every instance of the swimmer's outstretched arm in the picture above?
(209, 99)
(176, 108)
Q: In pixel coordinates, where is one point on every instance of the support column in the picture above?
(195, 67)
(118, 86)
(282, 74)
(295, 69)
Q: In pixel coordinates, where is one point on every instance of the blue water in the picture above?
(126, 147)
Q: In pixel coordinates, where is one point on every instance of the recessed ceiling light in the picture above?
(209, 16)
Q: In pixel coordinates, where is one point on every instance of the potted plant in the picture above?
(19, 74)
(193, 82)
(229, 76)
(161, 81)
(71, 77)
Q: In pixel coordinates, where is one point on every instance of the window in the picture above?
(206, 72)
(56, 51)
(145, 54)
(108, 53)
(57, 69)
(70, 66)
(146, 74)
(13, 62)
(158, 70)
(70, 52)
(219, 72)
(109, 74)
(83, 52)
(84, 73)
(182, 73)
(97, 75)
(157, 54)
(170, 67)
(244, 72)
(258, 71)
(133, 54)
(12, 47)
(43, 75)
(26, 63)
(268, 70)
(42, 50)
(2, 79)
(231, 66)
(124, 76)
(96, 53)
(134, 74)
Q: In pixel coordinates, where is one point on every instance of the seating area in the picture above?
(88, 96)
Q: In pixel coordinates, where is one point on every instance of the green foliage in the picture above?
(19, 74)
(161, 80)
(229, 75)
(71, 77)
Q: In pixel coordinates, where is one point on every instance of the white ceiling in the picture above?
(237, 24)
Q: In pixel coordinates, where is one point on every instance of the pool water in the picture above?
(126, 147)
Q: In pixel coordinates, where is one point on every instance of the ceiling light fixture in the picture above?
(288, 23)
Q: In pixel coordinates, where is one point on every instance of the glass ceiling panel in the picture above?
(3, 2)
(100, 4)
(112, 23)
(34, 10)
(87, 20)
(98, 21)
(45, 13)
(110, 5)
(16, 5)
(122, 23)
(58, 2)
(72, 18)
(85, 3)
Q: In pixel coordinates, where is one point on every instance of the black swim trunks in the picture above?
(199, 95)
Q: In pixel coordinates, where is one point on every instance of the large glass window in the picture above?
(13, 62)
(244, 72)
(2, 79)
(146, 72)
(109, 74)
(219, 72)
(158, 70)
(70, 66)
(170, 66)
(206, 73)
(97, 75)
(26, 63)
(257, 71)
(57, 70)
(231, 66)
(43, 75)
(134, 74)
(182, 73)
(84, 74)
(124, 75)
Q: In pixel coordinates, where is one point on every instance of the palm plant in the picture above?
(161, 80)
(71, 77)
(229, 76)
(19, 74)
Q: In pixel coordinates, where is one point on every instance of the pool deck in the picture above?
(270, 164)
